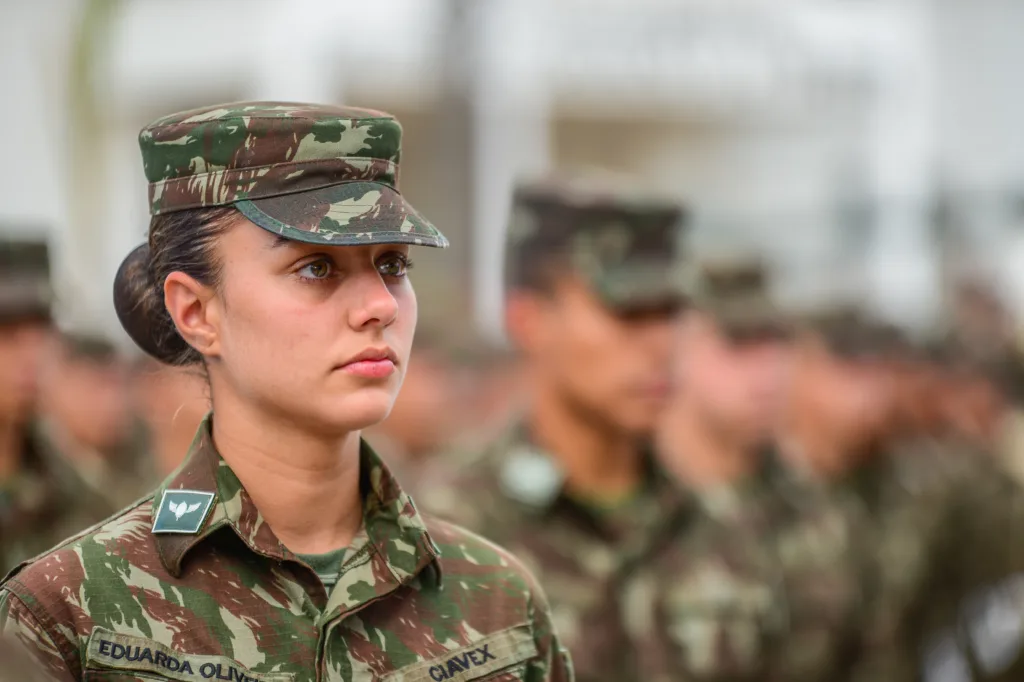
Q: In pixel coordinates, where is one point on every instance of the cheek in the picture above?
(708, 372)
(588, 359)
(8, 364)
(696, 371)
(401, 332)
(268, 328)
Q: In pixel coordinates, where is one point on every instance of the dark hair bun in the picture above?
(139, 303)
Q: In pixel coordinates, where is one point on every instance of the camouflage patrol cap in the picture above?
(25, 288)
(627, 245)
(850, 333)
(313, 173)
(736, 293)
(88, 347)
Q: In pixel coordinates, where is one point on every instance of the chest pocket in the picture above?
(499, 657)
(116, 657)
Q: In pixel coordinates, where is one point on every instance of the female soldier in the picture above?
(282, 549)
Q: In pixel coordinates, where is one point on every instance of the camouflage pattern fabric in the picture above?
(628, 247)
(44, 503)
(1010, 443)
(760, 583)
(943, 517)
(512, 493)
(309, 172)
(736, 294)
(416, 599)
(116, 478)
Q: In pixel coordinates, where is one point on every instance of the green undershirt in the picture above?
(611, 505)
(326, 566)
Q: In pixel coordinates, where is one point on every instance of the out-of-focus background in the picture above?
(868, 152)
(866, 147)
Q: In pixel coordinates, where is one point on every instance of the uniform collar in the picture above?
(399, 544)
(533, 478)
(526, 473)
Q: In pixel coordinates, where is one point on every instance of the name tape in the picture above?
(112, 651)
(503, 649)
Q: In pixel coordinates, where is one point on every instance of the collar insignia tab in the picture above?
(182, 511)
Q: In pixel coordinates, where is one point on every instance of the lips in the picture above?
(372, 363)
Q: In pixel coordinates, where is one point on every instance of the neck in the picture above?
(306, 486)
(701, 456)
(11, 434)
(597, 459)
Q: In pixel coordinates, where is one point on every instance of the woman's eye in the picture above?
(394, 265)
(318, 269)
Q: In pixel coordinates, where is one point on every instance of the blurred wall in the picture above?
(817, 133)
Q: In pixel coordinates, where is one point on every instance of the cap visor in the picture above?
(349, 214)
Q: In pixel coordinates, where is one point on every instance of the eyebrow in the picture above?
(279, 241)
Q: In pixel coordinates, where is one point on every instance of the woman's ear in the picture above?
(194, 309)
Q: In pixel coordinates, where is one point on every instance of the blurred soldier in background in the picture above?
(86, 421)
(733, 372)
(42, 500)
(759, 583)
(841, 396)
(594, 285)
(839, 420)
(972, 605)
(867, 417)
(170, 402)
(447, 401)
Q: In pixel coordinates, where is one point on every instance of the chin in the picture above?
(640, 426)
(362, 409)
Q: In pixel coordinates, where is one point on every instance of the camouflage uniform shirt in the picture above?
(513, 493)
(118, 477)
(46, 502)
(949, 602)
(755, 584)
(415, 600)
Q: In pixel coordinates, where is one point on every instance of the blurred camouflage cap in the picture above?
(850, 333)
(313, 173)
(88, 347)
(736, 292)
(25, 287)
(628, 245)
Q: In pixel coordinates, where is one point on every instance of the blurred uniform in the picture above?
(86, 422)
(937, 514)
(42, 500)
(759, 581)
(607, 260)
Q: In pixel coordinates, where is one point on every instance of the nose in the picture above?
(374, 305)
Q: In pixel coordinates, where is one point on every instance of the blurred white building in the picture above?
(816, 133)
